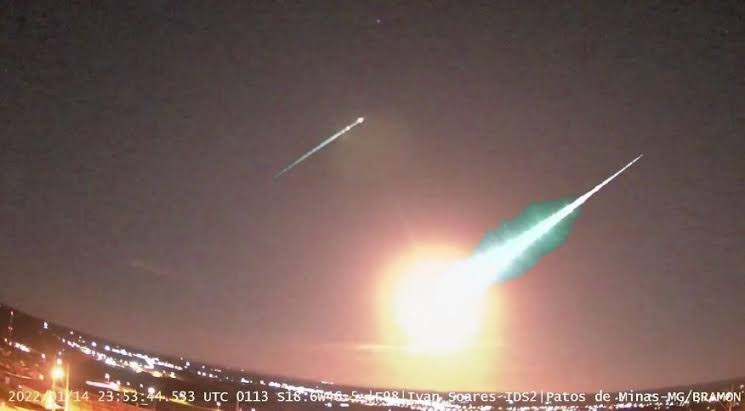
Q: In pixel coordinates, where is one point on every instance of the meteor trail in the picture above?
(320, 146)
(494, 263)
(440, 312)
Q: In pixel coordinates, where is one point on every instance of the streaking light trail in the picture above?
(320, 146)
(438, 305)
(492, 264)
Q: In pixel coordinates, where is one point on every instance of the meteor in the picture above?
(320, 146)
(438, 305)
(496, 263)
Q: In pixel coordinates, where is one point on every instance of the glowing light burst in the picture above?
(437, 311)
(439, 303)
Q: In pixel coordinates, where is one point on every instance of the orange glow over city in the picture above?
(436, 335)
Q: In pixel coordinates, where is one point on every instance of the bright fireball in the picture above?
(437, 305)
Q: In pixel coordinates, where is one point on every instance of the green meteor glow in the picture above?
(508, 229)
(453, 294)
(518, 244)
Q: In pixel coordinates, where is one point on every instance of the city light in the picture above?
(57, 373)
(130, 363)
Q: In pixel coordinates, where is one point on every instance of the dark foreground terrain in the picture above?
(47, 366)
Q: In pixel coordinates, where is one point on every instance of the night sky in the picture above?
(139, 139)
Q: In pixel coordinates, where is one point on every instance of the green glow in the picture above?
(507, 230)
(518, 244)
